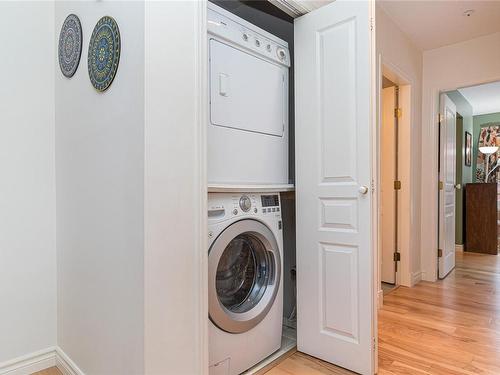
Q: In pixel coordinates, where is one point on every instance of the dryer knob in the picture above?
(245, 37)
(281, 54)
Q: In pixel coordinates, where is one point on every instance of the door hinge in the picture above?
(374, 343)
(397, 185)
(440, 253)
(397, 258)
(398, 112)
(371, 24)
(440, 119)
(440, 185)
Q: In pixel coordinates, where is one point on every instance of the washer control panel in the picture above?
(270, 203)
(222, 206)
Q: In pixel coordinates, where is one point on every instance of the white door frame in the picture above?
(202, 195)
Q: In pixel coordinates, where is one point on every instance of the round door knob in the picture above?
(458, 186)
(363, 189)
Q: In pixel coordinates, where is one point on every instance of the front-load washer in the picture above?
(248, 102)
(245, 294)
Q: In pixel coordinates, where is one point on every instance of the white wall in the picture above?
(463, 64)
(399, 55)
(175, 190)
(100, 200)
(27, 187)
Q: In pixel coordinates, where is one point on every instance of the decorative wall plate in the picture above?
(104, 53)
(70, 45)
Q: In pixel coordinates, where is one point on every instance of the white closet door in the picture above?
(447, 165)
(333, 49)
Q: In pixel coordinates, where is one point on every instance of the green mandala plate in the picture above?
(104, 53)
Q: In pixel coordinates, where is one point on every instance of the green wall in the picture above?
(480, 121)
(464, 174)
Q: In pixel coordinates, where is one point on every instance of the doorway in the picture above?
(394, 178)
(389, 184)
(468, 152)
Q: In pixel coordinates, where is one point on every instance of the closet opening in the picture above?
(251, 198)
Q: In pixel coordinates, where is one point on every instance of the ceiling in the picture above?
(434, 24)
(483, 98)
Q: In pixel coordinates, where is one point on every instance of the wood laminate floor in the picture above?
(451, 327)
(49, 371)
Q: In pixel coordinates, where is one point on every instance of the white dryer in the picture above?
(248, 108)
(245, 294)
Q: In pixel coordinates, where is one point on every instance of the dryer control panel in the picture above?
(242, 33)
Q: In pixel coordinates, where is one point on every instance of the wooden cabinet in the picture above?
(481, 231)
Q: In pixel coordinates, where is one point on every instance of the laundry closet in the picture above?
(289, 208)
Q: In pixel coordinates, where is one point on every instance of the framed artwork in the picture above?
(468, 149)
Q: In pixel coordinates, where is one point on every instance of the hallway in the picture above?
(444, 328)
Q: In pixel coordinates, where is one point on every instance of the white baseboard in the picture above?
(416, 277)
(380, 298)
(65, 364)
(40, 360)
(30, 363)
(459, 248)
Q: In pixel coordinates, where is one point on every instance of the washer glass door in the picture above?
(243, 273)
(244, 269)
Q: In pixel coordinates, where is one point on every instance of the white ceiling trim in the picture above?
(291, 7)
(297, 8)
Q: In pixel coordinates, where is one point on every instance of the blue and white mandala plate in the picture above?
(104, 53)
(70, 45)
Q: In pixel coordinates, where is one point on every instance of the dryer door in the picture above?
(244, 270)
(247, 92)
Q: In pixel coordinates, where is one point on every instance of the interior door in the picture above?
(387, 177)
(333, 75)
(447, 155)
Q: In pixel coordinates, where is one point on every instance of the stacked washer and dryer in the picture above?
(247, 162)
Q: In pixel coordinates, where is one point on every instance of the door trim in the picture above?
(201, 194)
